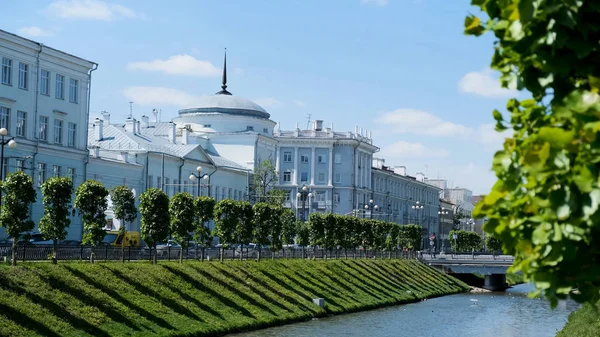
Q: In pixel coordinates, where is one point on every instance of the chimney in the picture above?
(420, 177)
(378, 163)
(172, 132)
(401, 170)
(106, 117)
(155, 114)
(98, 129)
(318, 125)
(130, 125)
(96, 151)
(145, 121)
(137, 127)
(185, 135)
(124, 156)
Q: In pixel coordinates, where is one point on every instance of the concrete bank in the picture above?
(202, 299)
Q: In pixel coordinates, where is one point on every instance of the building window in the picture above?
(58, 128)
(21, 123)
(159, 183)
(321, 196)
(320, 160)
(56, 171)
(150, 182)
(6, 71)
(336, 197)
(287, 177)
(72, 133)
(73, 90)
(23, 71)
(304, 159)
(44, 128)
(20, 165)
(4, 118)
(167, 187)
(45, 83)
(71, 173)
(185, 186)
(60, 86)
(321, 177)
(265, 130)
(338, 178)
(249, 128)
(304, 176)
(229, 194)
(287, 157)
(338, 158)
(41, 173)
(207, 125)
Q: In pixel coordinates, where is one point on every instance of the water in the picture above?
(464, 315)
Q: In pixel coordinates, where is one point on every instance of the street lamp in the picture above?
(302, 195)
(201, 176)
(441, 213)
(417, 207)
(12, 144)
(370, 205)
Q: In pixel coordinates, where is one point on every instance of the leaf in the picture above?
(583, 178)
(526, 10)
(497, 115)
(557, 137)
(473, 26)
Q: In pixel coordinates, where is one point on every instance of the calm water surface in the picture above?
(509, 314)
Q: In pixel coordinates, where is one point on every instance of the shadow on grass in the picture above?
(191, 299)
(284, 285)
(168, 302)
(315, 289)
(235, 291)
(198, 285)
(259, 293)
(115, 315)
(56, 310)
(377, 270)
(25, 322)
(117, 297)
(351, 280)
(387, 292)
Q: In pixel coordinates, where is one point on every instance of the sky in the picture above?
(402, 69)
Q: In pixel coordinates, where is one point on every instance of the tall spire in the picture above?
(224, 86)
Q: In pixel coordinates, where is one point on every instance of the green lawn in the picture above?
(584, 322)
(195, 299)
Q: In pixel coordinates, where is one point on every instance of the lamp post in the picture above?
(417, 207)
(302, 195)
(201, 176)
(470, 224)
(372, 207)
(12, 144)
(441, 213)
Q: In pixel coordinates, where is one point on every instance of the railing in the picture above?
(108, 253)
(465, 256)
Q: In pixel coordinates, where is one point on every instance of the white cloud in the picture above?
(159, 95)
(299, 103)
(401, 150)
(186, 65)
(268, 102)
(90, 10)
(482, 83)
(34, 31)
(374, 2)
(421, 123)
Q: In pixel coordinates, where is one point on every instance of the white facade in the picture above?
(44, 104)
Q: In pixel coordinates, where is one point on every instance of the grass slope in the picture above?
(584, 322)
(196, 299)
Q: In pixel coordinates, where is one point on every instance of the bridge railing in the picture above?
(425, 255)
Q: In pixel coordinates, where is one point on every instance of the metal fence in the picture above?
(108, 253)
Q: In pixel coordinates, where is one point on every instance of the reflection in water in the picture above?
(509, 314)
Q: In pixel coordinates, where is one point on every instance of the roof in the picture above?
(223, 162)
(412, 179)
(226, 104)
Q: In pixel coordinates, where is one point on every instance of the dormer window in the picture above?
(249, 128)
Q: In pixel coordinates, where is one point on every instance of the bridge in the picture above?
(493, 267)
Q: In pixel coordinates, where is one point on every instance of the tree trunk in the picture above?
(181, 255)
(154, 256)
(123, 251)
(54, 248)
(14, 252)
(221, 253)
(241, 251)
(259, 253)
(202, 255)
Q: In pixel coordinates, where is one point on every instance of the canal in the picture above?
(509, 314)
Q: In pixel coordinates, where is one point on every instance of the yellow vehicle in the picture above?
(130, 239)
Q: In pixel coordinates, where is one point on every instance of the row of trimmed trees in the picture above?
(467, 241)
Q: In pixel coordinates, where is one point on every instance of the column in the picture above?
(314, 167)
(277, 159)
(356, 171)
(330, 177)
(295, 158)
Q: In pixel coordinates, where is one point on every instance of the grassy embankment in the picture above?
(584, 322)
(197, 299)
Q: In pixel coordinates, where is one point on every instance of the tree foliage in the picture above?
(409, 236)
(244, 228)
(492, 244)
(303, 231)
(123, 202)
(205, 209)
(289, 229)
(56, 194)
(226, 220)
(466, 241)
(183, 218)
(91, 202)
(154, 206)
(545, 206)
(19, 194)
(265, 178)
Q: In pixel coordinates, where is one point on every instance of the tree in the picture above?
(205, 209)
(263, 220)
(545, 205)
(289, 230)
(124, 209)
(409, 237)
(90, 200)
(183, 218)
(303, 230)
(276, 229)
(154, 206)
(457, 216)
(316, 227)
(391, 240)
(226, 220)
(466, 241)
(492, 244)
(19, 194)
(245, 225)
(53, 225)
(265, 178)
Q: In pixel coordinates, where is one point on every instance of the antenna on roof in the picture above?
(308, 123)
(130, 109)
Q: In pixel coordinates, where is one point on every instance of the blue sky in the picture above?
(400, 68)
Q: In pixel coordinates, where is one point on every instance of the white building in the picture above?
(44, 104)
